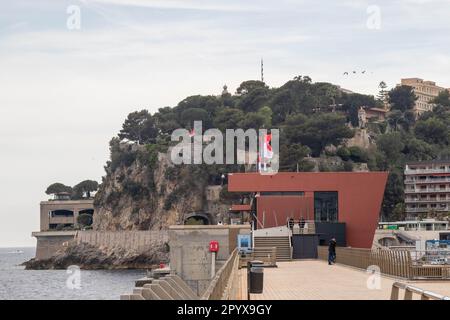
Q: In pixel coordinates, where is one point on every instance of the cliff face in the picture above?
(142, 190)
(153, 195)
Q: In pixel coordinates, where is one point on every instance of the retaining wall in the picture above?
(130, 240)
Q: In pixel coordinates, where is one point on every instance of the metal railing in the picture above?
(396, 263)
(430, 257)
(268, 255)
(410, 290)
(427, 200)
(302, 227)
(426, 209)
(427, 190)
(424, 171)
(224, 285)
(427, 180)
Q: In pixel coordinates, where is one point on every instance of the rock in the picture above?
(89, 257)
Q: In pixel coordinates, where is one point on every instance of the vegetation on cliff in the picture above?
(315, 121)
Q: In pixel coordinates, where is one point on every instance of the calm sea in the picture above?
(18, 283)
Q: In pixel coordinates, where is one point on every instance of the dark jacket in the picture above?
(332, 246)
(302, 223)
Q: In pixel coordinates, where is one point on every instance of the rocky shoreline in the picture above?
(89, 257)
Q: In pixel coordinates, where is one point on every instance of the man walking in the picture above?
(332, 251)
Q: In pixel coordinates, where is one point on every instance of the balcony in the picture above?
(428, 190)
(416, 210)
(430, 200)
(61, 220)
(427, 180)
(426, 171)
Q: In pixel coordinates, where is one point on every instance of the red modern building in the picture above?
(353, 198)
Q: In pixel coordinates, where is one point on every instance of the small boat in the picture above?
(16, 252)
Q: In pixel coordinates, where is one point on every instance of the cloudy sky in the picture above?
(65, 92)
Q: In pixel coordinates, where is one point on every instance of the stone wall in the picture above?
(189, 251)
(49, 243)
(138, 241)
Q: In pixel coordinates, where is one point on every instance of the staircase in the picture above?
(282, 243)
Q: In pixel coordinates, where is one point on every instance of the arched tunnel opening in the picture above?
(197, 219)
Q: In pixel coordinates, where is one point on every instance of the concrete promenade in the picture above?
(316, 280)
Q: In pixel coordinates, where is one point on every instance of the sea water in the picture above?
(18, 283)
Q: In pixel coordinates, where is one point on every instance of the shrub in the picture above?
(343, 153)
(192, 221)
(171, 198)
(112, 199)
(171, 173)
(348, 166)
(324, 167)
(225, 195)
(134, 189)
(357, 154)
(85, 219)
(169, 201)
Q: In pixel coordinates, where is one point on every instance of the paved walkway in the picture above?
(316, 280)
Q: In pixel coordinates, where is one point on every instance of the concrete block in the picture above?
(132, 296)
(142, 281)
(177, 288)
(183, 285)
(146, 293)
(159, 291)
(169, 289)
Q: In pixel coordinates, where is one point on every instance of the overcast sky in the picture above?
(64, 93)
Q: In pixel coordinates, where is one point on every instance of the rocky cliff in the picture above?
(142, 190)
(151, 193)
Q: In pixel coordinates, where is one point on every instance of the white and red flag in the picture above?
(267, 147)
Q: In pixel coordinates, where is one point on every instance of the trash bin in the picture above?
(256, 276)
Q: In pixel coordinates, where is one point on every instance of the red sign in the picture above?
(213, 246)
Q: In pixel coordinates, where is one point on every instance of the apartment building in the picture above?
(427, 187)
(63, 214)
(425, 91)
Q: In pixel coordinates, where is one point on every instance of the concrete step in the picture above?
(282, 243)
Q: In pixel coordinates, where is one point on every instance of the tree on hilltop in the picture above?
(139, 127)
(402, 98)
(85, 188)
(57, 187)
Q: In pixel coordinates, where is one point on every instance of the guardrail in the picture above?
(268, 255)
(224, 285)
(301, 226)
(434, 257)
(396, 263)
(410, 290)
(438, 209)
(440, 180)
(428, 190)
(425, 171)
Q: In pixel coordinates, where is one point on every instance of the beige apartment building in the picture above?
(63, 214)
(427, 187)
(425, 91)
